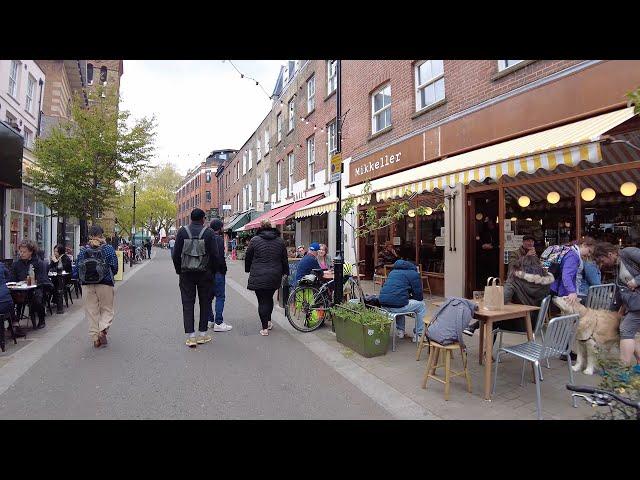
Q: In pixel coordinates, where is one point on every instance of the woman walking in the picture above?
(266, 262)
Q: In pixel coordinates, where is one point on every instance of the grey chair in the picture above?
(537, 331)
(558, 340)
(393, 317)
(600, 297)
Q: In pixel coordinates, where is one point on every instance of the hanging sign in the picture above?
(336, 168)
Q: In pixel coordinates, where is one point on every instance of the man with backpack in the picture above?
(195, 258)
(97, 264)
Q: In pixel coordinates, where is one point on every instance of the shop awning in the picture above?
(238, 221)
(566, 145)
(283, 215)
(255, 223)
(319, 207)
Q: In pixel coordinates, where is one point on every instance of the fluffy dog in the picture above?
(596, 329)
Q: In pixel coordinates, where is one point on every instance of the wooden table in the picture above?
(487, 318)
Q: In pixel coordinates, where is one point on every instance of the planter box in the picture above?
(360, 338)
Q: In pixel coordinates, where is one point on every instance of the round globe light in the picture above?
(553, 197)
(524, 201)
(479, 216)
(411, 213)
(628, 189)
(588, 194)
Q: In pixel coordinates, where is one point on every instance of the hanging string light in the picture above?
(242, 75)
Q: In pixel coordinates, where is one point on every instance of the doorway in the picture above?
(483, 241)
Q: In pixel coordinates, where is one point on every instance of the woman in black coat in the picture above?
(266, 262)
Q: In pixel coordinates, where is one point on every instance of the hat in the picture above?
(216, 224)
(528, 237)
(314, 247)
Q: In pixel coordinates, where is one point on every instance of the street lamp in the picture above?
(133, 243)
(338, 261)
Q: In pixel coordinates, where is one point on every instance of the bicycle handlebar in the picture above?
(597, 391)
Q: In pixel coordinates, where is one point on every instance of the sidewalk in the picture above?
(402, 372)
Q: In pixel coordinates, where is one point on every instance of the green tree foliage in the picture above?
(634, 99)
(80, 161)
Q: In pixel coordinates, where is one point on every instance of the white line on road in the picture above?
(397, 404)
(21, 361)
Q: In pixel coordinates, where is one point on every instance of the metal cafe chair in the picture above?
(558, 340)
(600, 297)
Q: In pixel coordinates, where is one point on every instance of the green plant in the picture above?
(620, 379)
(363, 315)
(634, 99)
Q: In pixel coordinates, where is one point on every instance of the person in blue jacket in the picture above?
(309, 262)
(6, 302)
(402, 293)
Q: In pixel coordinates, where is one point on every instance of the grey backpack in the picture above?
(194, 253)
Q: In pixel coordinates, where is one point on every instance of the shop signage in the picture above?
(400, 156)
(226, 207)
(336, 168)
(439, 241)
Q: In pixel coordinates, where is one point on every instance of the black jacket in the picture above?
(20, 270)
(210, 247)
(222, 264)
(266, 260)
(66, 264)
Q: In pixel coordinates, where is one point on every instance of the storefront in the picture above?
(11, 148)
(557, 185)
(28, 219)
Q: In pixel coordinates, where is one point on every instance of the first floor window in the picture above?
(311, 161)
(429, 83)
(504, 64)
(279, 184)
(381, 109)
(266, 187)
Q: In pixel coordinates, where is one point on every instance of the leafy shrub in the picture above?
(369, 317)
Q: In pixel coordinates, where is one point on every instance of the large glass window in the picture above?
(319, 229)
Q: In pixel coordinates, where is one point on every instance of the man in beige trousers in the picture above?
(97, 264)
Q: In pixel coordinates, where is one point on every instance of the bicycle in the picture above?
(308, 303)
(603, 398)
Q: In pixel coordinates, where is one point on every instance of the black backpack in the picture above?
(92, 268)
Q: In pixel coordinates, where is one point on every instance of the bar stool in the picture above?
(433, 365)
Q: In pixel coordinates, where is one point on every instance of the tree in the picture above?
(79, 163)
(634, 99)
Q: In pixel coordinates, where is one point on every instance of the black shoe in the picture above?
(574, 357)
(41, 324)
(470, 330)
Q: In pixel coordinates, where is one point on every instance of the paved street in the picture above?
(147, 372)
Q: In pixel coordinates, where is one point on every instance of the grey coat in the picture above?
(450, 320)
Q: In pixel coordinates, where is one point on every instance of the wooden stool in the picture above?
(422, 341)
(432, 365)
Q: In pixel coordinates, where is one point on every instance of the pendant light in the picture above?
(628, 189)
(553, 197)
(524, 201)
(588, 194)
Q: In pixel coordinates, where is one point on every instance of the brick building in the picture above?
(520, 142)
(199, 188)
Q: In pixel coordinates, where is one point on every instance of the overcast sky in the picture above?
(200, 105)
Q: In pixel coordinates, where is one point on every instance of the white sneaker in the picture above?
(223, 327)
(211, 325)
(400, 333)
(416, 337)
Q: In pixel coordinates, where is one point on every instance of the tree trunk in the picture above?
(84, 230)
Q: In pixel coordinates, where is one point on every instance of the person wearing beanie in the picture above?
(309, 262)
(219, 284)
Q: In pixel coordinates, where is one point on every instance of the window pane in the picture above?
(439, 89)
(437, 67)
(387, 117)
(386, 95)
(378, 102)
(424, 72)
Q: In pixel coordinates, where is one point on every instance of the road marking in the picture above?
(21, 361)
(393, 401)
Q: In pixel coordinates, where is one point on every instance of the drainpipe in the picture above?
(41, 83)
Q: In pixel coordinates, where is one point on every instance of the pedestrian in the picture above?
(147, 244)
(60, 262)
(309, 262)
(29, 264)
(97, 264)
(567, 281)
(402, 293)
(266, 262)
(172, 243)
(218, 292)
(627, 281)
(195, 258)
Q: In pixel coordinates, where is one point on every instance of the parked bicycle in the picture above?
(308, 304)
(603, 398)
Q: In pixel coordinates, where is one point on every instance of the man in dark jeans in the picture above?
(218, 293)
(190, 282)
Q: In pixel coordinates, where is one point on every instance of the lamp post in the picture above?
(133, 242)
(339, 259)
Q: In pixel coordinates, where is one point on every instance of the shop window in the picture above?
(319, 229)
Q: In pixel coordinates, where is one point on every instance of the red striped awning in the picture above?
(255, 223)
(283, 215)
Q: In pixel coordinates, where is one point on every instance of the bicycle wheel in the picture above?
(355, 290)
(306, 308)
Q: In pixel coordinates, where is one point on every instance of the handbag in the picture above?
(493, 294)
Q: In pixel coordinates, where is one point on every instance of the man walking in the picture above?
(195, 258)
(172, 243)
(218, 324)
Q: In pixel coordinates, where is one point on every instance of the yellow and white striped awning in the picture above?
(566, 145)
(324, 205)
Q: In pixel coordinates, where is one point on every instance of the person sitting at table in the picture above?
(300, 251)
(388, 255)
(309, 262)
(527, 284)
(402, 293)
(6, 302)
(27, 249)
(60, 260)
(324, 260)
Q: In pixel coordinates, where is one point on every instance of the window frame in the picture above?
(250, 166)
(311, 95)
(332, 79)
(279, 126)
(266, 186)
(291, 108)
(375, 113)
(28, 137)
(258, 150)
(14, 68)
(279, 174)
(258, 189)
(266, 141)
(291, 161)
(311, 161)
(244, 162)
(504, 64)
(31, 88)
(422, 86)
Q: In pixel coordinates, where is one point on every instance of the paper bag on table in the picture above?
(493, 294)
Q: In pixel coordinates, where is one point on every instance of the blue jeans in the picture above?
(413, 306)
(218, 294)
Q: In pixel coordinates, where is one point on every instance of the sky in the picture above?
(199, 105)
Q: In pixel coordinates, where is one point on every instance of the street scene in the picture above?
(321, 240)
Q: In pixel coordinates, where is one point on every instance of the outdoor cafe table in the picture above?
(21, 295)
(58, 280)
(487, 318)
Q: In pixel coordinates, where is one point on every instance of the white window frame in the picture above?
(332, 76)
(31, 87)
(279, 126)
(258, 190)
(250, 195)
(238, 202)
(237, 171)
(332, 140)
(266, 187)
(292, 114)
(28, 137)
(244, 198)
(250, 160)
(279, 180)
(311, 161)
(430, 81)
(266, 141)
(244, 163)
(504, 64)
(375, 113)
(311, 94)
(258, 150)
(14, 72)
(291, 164)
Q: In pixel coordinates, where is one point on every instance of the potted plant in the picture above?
(361, 328)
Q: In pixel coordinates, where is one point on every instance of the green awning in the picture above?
(238, 221)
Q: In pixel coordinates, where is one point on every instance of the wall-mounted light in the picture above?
(588, 194)
(628, 189)
(553, 197)
(524, 201)
(411, 213)
(529, 219)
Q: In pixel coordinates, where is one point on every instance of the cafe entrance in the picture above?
(483, 241)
